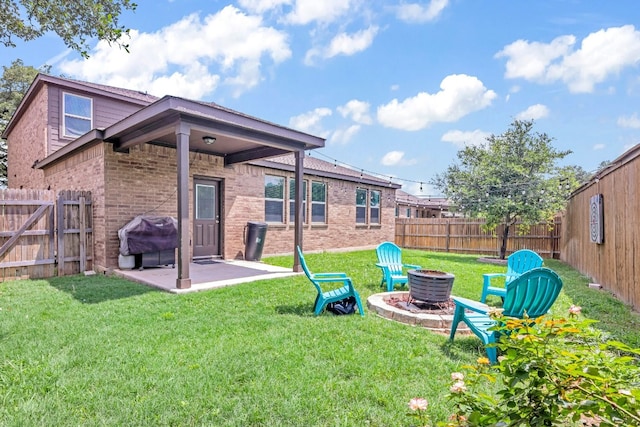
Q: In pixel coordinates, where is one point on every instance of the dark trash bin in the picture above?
(254, 234)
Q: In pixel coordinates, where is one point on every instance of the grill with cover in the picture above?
(152, 239)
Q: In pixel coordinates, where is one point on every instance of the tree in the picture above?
(73, 21)
(576, 175)
(512, 177)
(14, 83)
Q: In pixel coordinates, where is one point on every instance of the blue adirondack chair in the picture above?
(334, 295)
(390, 261)
(517, 263)
(533, 292)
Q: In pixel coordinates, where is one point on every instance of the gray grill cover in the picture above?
(146, 234)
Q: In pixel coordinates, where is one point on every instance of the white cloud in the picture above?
(343, 136)
(599, 147)
(228, 48)
(323, 12)
(512, 90)
(601, 54)
(632, 121)
(309, 122)
(358, 111)
(414, 12)
(261, 6)
(459, 95)
(534, 112)
(349, 44)
(342, 44)
(461, 139)
(530, 60)
(396, 158)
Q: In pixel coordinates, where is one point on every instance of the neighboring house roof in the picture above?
(403, 197)
(322, 168)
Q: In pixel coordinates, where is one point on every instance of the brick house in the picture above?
(410, 206)
(212, 168)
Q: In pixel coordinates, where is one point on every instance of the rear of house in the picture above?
(142, 155)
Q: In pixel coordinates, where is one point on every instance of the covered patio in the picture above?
(212, 129)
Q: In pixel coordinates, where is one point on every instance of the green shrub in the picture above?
(551, 372)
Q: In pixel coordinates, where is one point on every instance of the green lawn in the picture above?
(92, 351)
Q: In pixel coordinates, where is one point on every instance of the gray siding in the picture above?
(105, 113)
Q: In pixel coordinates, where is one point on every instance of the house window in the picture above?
(318, 202)
(397, 212)
(205, 201)
(374, 207)
(77, 115)
(292, 201)
(274, 199)
(408, 212)
(361, 206)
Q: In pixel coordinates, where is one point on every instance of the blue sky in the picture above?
(396, 87)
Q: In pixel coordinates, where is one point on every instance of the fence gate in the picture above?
(42, 235)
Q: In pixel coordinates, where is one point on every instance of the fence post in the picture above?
(448, 236)
(83, 234)
(60, 231)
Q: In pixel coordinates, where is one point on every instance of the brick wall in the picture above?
(84, 171)
(341, 230)
(144, 181)
(28, 143)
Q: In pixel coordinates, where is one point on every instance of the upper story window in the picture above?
(274, 198)
(78, 115)
(318, 202)
(292, 201)
(374, 207)
(361, 206)
(408, 212)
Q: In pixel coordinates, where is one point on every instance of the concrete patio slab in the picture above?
(206, 274)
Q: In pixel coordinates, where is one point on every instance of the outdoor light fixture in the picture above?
(209, 139)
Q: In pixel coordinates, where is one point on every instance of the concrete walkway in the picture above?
(206, 274)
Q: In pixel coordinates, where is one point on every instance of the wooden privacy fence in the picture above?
(43, 235)
(464, 235)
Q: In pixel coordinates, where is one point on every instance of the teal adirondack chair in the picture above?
(517, 263)
(390, 261)
(533, 292)
(334, 295)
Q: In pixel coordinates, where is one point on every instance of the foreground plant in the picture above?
(552, 372)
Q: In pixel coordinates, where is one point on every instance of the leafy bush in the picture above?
(551, 372)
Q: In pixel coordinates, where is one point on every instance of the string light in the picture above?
(497, 189)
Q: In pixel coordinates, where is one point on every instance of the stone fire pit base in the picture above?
(440, 323)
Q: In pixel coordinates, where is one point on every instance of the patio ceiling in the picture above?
(239, 138)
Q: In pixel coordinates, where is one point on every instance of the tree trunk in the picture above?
(505, 236)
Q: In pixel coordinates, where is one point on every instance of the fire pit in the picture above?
(430, 285)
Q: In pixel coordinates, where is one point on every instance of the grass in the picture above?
(102, 351)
